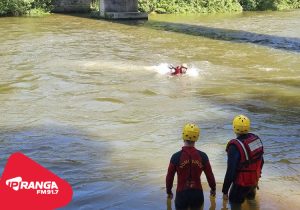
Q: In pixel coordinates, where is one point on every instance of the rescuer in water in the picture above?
(189, 163)
(178, 70)
(244, 164)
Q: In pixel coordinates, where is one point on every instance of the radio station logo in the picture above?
(41, 187)
(34, 189)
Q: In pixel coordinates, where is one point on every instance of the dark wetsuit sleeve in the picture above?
(170, 177)
(171, 172)
(262, 164)
(232, 163)
(208, 172)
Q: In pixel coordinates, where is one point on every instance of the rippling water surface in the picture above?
(89, 100)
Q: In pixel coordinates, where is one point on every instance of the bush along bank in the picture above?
(214, 6)
(255, 5)
(24, 7)
(189, 6)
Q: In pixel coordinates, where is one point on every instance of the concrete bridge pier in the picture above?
(121, 9)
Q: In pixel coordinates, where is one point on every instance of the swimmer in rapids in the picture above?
(178, 70)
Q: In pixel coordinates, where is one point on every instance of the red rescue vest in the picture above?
(251, 151)
(178, 70)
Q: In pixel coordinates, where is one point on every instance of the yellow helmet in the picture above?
(241, 124)
(190, 132)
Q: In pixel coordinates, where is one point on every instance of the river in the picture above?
(89, 99)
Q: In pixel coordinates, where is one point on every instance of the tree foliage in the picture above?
(14, 7)
(212, 6)
(21, 7)
(269, 4)
(189, 6)
(42, 4)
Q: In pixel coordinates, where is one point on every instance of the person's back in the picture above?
(189, 163)
(245, 161)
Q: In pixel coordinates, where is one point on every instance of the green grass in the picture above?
(37, 12)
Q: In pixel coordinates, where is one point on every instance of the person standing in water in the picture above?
(244, 164)
(178, 70)
(189, 163)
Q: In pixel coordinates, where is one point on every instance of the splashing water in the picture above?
(193, 72)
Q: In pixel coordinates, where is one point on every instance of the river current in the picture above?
(90, 100)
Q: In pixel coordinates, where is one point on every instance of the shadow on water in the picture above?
(69, 153)
(291, 44)
(87, 162)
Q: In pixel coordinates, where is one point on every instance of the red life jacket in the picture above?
(178, 70)
(251, 151)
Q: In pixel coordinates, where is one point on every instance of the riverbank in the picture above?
(41, 7)
(214, 6)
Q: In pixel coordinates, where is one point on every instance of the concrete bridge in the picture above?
(110, 9)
